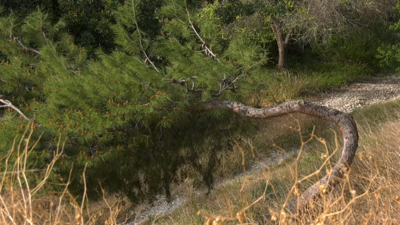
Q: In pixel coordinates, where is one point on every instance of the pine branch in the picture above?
(23, 46)
(18, 39)
(147, 60)
(8, 104)
(204, 46)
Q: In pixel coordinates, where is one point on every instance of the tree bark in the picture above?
(282, 41)
(344, 120)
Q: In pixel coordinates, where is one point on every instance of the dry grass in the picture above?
(284, 87)
(24, 203)
(369, 193)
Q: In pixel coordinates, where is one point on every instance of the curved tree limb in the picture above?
(344, 120)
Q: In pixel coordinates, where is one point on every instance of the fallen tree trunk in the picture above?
(344, 120)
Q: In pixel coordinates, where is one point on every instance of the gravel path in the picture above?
(362, 94)
(346, 99)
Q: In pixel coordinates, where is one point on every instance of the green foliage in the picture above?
(24, 7)
(389, 53)
(278, 8)
(229, 11)
(88, 21)
(126, 121)
(346, 57)
(358, 48)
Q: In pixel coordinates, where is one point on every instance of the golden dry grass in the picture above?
(21, 202)
(369, 194)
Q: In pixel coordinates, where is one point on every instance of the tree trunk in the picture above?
(282, 41)
(344, 120)
(282, 64)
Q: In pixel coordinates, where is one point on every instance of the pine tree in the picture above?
(128, 114)
(140, 115)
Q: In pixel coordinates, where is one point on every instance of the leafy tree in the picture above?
(317, 21)
(137, 117)
(300, 22)
(123, 115)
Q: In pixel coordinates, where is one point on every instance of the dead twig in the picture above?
(8, 104)
(23, 46)
(204, 46)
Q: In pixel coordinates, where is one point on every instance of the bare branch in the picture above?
(183, 81)
(225, 84)
(23, 46)
(71, 70)
(8, 104)
(326, 17)
(204, 46)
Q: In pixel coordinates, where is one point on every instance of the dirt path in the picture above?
(347, 99)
